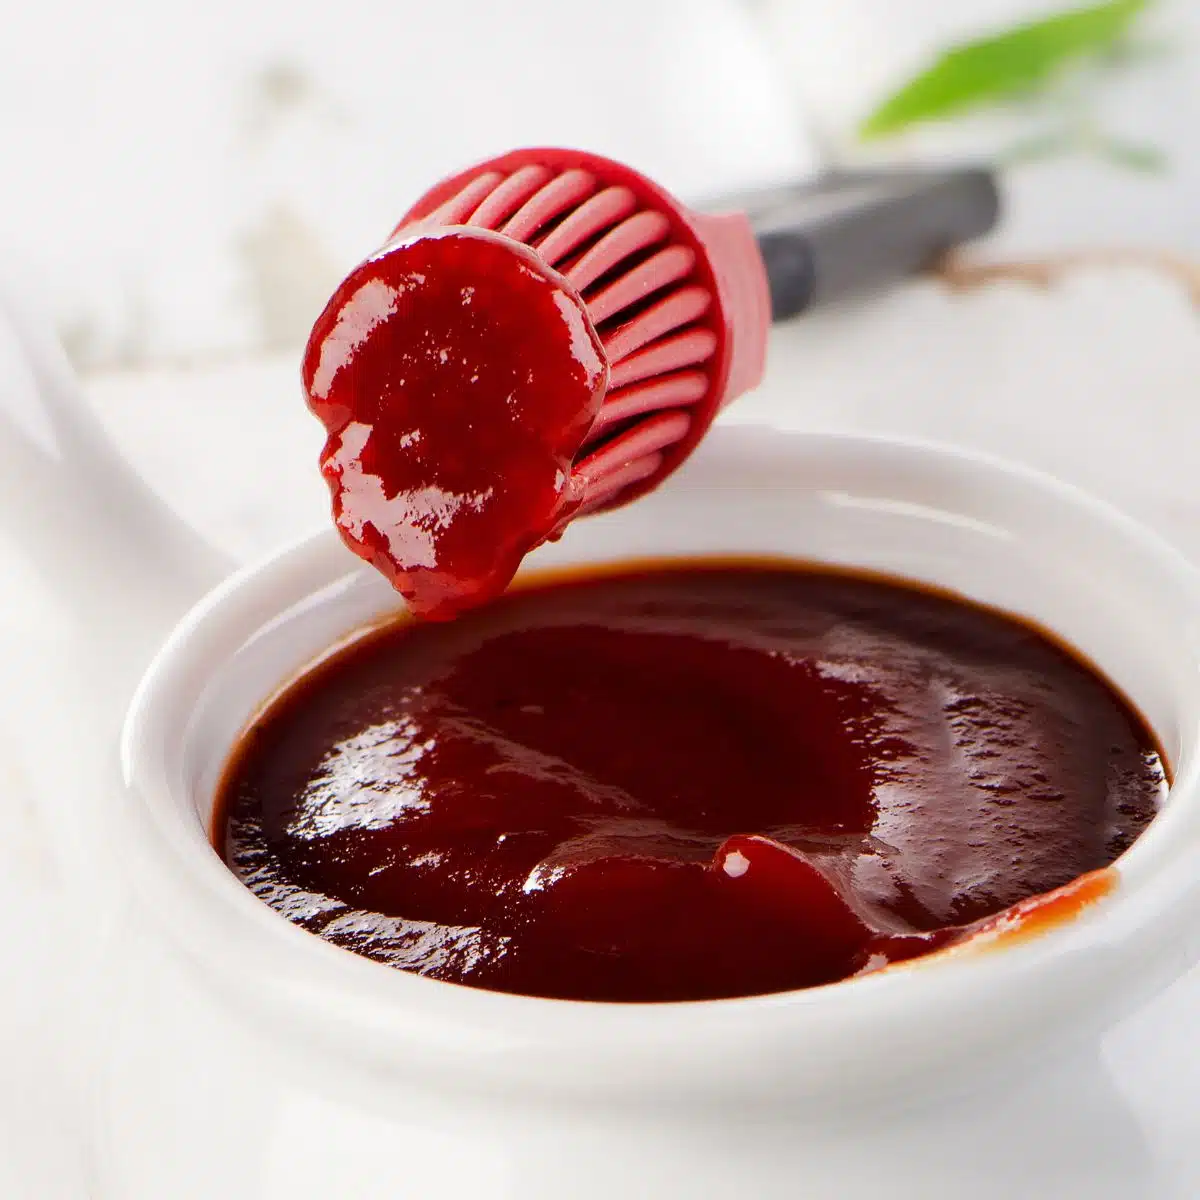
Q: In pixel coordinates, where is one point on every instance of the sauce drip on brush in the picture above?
(545, 335)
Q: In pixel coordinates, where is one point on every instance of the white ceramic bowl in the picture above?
(365, 1038)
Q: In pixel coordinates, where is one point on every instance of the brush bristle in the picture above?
(638, 280)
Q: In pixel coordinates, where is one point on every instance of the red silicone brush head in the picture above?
(679, 300)
(545, 335)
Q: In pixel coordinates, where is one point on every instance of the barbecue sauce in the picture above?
(685, 781)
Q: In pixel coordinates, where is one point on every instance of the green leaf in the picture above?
(1003, 66)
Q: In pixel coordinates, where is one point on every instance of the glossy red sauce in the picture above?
(456, 377)
(684, 782)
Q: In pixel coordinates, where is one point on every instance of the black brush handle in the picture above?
(852, 231)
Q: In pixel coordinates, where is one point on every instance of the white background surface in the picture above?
(188, 179)
(195, 178)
